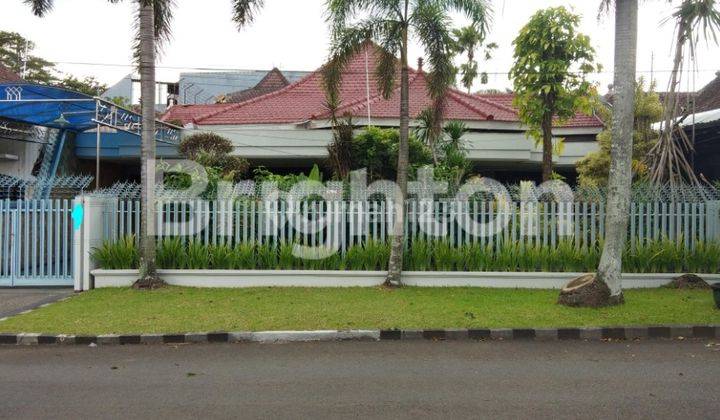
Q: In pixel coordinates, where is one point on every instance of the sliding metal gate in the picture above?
(36, 243)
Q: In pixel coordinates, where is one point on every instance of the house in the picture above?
(291, 127)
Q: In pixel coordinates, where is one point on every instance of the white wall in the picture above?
(17, 158)
(290, 141)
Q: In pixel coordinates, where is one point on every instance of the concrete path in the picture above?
(519, 379)
(16, 300)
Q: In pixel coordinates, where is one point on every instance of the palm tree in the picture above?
(668, 158)
(390, 24)
(153, 29)
(467, 40)
(620, 179)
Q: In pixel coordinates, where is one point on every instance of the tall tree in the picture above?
(668, 158)
(594, 169)
(16, 54)
(466, 41)
(552, 60)
(391, 24)
(620, 178)
(153, 28)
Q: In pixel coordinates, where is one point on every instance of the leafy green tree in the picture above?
(552, 61)
(16, 54)
(153, 23)
(376, 150)
(391, 24)
(88, 85)
(466, 41)
(593, 170)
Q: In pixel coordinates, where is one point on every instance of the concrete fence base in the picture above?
(309, 278)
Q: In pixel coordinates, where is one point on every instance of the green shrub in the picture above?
(354, 258)
(198, 256)
(447, 257)
(267, 256)
(222, 257)
(171, 253)
(120, 255)
(244, 256)
(419, 256)
(286, 259)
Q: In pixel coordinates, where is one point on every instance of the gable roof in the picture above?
(273, 80)
(708, 98)
(305, 100)
(7, 75)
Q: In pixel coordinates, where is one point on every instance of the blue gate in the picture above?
(36, 243)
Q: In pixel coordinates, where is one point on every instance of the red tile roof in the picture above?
(305, 100)
(188, 113)
(7, 75)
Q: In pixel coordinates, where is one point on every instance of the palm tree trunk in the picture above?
(547, 164)
(398, 238)
(620, 178)
(148, 271)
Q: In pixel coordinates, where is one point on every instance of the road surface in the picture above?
(649, 379)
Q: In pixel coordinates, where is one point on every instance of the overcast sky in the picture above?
(292, 35)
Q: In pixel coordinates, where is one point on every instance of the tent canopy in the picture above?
(54, 107)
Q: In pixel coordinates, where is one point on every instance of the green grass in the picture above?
(175, 309)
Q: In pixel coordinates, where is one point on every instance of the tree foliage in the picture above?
(16, 54)
(88, 85)
(552, 61)
(213, 152)
(593, 169)
(376, 149)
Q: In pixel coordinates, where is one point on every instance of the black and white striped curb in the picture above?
(613, 333)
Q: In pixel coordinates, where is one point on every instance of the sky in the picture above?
(293, 35)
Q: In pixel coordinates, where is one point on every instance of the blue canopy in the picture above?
(55, 107)
(44, 105)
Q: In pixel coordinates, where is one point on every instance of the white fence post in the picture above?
(712, 223)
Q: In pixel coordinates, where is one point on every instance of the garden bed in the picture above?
(329, 278)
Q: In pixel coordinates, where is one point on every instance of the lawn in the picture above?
(177, 310)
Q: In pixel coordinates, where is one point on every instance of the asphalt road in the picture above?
(651, 379)
(16, 300)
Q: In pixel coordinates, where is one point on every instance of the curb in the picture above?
(539, 334)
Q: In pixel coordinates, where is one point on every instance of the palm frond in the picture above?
(479, 12)
(348, 41)
(244, 11)
(40, 7)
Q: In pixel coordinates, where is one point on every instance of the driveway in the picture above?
(16, 300)
(514, 379)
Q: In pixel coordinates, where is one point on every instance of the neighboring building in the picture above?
(273, 80)
(291, 127)
(703, 128)
(199, 87)
(166, 93)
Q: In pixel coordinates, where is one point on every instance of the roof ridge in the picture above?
(487, 101)
(357, 104)
(468, 105)
(257, 98)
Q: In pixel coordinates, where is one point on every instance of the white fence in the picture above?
(461, 222)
